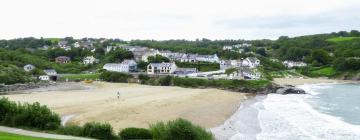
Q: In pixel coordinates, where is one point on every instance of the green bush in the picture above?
(143, 78)
(115, 77)
(225, 84)
(165, 81)
(28, 115)
(135, 133)
(10, 74)
(98, 130)
(179, 129)
(74, 130)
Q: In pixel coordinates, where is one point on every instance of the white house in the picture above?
(50, 72)
(125, 66)
(90, 60)
(250, 74)
(225, 64)
(291, 64)
(29, 67)
(161, 68)
(208, 58)
(251, 62)
(189, 58)
(44, 78)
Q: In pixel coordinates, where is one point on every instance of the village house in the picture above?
(51, 74)
(250, 74)
(62, 59)
(172, 56)
(237, 46)
(29, 67)
(149, 53)
(125, 66)
(291, 64)
(225, 64)
(251, 62)
(90, 60)
(161, 68)
(62, 43)
(44, 77)
(189, 58)
(208, 58)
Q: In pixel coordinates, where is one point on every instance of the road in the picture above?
(38, 134)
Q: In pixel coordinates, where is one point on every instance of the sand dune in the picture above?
(139, 105)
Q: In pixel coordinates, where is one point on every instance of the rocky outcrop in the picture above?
(17, 87)
(289, 90)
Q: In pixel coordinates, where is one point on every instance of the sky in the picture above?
(176, 19)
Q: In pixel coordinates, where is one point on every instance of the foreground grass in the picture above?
(341, 39)
(9, 136)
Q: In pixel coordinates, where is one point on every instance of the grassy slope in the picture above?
(341, 39)
(328, 71)
(9, 136)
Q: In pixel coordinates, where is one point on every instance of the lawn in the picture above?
(9, 136)
(327, 71)
(341, 39)
(72, 77)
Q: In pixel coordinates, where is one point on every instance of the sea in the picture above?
(327, 112)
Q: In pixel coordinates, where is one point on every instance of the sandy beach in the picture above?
(139, 105)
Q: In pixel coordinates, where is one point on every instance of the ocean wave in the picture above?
(284, 117)
(289, 117)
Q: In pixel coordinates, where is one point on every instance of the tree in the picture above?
(354, 33)
(321, 57)
(118, 55)
(157, 59)
(261, 51)
(142, 65)
(99, 52)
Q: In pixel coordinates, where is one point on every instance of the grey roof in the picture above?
(128, 61)
(253, 59)
(162, 64)
(47, 71)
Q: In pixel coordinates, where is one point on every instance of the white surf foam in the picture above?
(289, 117)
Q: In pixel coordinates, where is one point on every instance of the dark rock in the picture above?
(290, 90)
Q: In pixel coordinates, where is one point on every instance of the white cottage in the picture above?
(125, 66)
(161, 68)
(291, 64)
(251, 62)
(208, 58)
(90, 60)
(29, 67)
(44, 77)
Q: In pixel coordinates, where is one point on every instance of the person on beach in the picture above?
(118, 95)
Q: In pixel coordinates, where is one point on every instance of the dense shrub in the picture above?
(201, 66)
(165, 81)
(74, 130)
(115, 76)
(135, 133)
(28, 115)
(179, 129)
(227, 84)
(143, 78)
(10, 74)
(98, 130)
